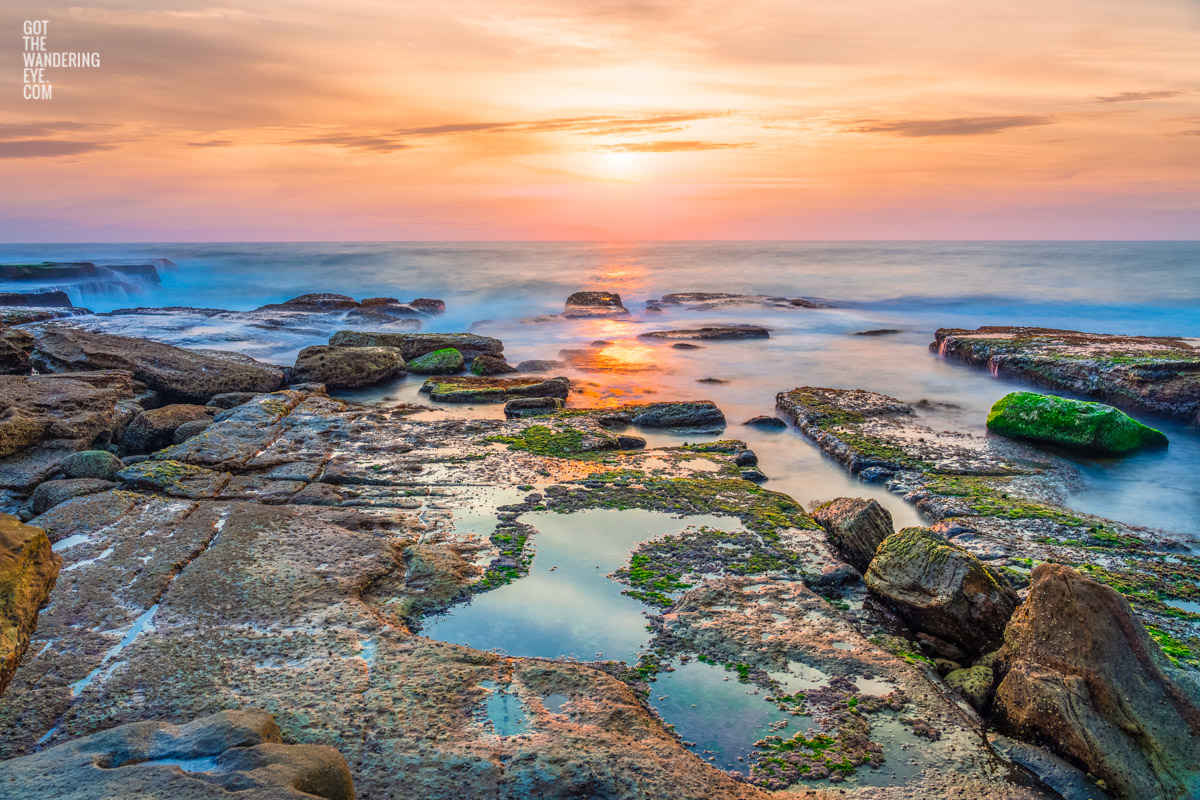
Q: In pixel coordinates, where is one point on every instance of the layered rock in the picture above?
(711, 333)
(474, 389)
(1158, 375)
(856, 527)
(691, 414)
(715, 301)
(1076, 424)
(1081, 674)
(412, 345)
(942, 590)
(15, 347)
(348, 367)
(28, 570)
(230, 752)
(582, 305)
(155, 429)
(190, 374)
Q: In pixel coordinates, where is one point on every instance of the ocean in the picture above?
(914, 287)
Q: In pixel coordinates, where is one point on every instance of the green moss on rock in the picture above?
(1078, 424)
(447, 361)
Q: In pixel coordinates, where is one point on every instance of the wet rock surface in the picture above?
(856, 527)
(28, 570)
(230, 752)
(155, 429)
(1159, 375)
(583, 305)
(1076, 424)
(1081, 674)
(710, 333)
(714, 301)
(474, 389)
(347, 367)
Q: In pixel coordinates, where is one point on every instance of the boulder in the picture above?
(490, 365)
(531, 406)
(976, 684)
(1077, 424)
(155, 429)
(711, 332)
(494, 390)
(347, 367)
(540, 365)
(855, 527)
(91, 464)
(412, 345)
(440, 362)
(15, 347)
(428, 305)
(191, 374)
(693, 414)
(1080, 674)
(766, 423)
(189, 429)
(227, 754)
(28, 570)
(231, 399)
(594, 304)
(942, 590)
(317, 302)
(49, 494)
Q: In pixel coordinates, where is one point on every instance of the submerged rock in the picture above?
(1138, 373)
(942, 590)
(713, 301)
(28, 571)
(856, 527)
(711, 332)
(594, 304)
(1082, 675)
(155, 429)
(412, 345)
(440, 362)
(348, 367)
(1072, 423)
(766, 423)
(540, 365)
(473, 389)
(192, 374)
(228, 753)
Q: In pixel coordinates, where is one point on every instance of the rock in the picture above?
(317, 302)
(490, 365)
(1138, 373)
(28, 571)
(440, 362)
(686, 346)
(878, 332)
(531, 406)
(712, 381)
(494, 390)
(174, 478)
(155, 429)
(1081, 674)
(976, 684)
(594, 304)
(91, 464)
(766, 423)
(428, 306)
(838, 574)
(627, 442)
(694, 414)
(712, 301)
(47, 299)
(540, 365)
(225, 754)
(855, 527)
(412, 345)
(755, 475)
(49, 494)
(15, 348)
(712, 332)
(191, 374)
(189, 429)
(347, 367)
(1076, 424)
(942, 590)
(746, 458)
(231, 399)
(944, 666)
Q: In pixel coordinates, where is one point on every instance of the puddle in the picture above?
(576, 610)
(720, 716)
(554, 702)
(69, 542)
(103, 555)
(142, 623)
(504, 712)
(1184, 605)
(203, 764)
(800, 677)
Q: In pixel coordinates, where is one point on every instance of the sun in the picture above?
(620, 163)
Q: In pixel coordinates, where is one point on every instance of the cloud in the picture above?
(369, 143)
(960, 126)
(1195, 132)
(1130, 97)
(47, 148)
(671, 146)
(212, 143)
(26, 130)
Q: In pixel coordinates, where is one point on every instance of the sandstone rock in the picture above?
(49, 494)
(231, 399)
(490, 365)
(594, 304)
(428, 305)
(155, 429)
(440, 362)
(711, 332)
(91, 464)
(316, 302)
(189, 429)
(174, 478)
(15, 347)
(470, 389)
(28, 570)
(855, 527)
(1081, 674)
(1072, 423)
(47, 299)
(976, 684)
(693, 414)
(191, 374)
(347, 367)
(412, 345)
(766, 423)
(531, 406)
(942, 589)
(540, 365)
(228, 753)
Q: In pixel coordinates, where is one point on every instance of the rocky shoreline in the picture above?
(236, 569)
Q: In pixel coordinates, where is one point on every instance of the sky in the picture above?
(279, 120)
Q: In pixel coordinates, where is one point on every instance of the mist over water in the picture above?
(1150, 288)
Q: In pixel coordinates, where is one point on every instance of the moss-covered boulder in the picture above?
(471, 389)
(490, 365)
(91, 464)
(447, 361)
(347, 367)
(942, 590)
(1077, 424)
(977, 684)
(28, 570)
